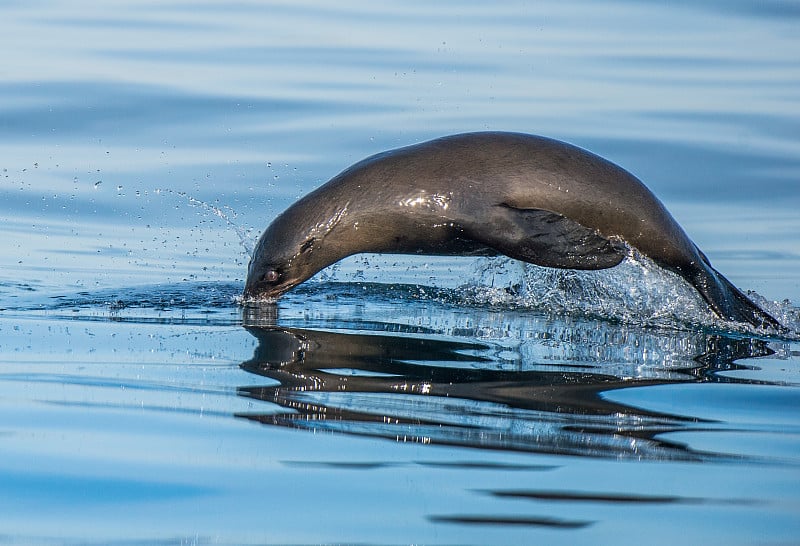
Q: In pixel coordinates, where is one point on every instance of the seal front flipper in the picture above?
(548, 239)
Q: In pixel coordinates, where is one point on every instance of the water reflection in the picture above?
(541, 394)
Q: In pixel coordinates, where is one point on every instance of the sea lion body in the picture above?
(532, 198)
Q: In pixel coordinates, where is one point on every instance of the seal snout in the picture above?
(268, 284)
(259, 290)
(262, 292)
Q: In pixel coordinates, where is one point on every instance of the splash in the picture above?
(635, 292)
(227, 214)
(783, 311)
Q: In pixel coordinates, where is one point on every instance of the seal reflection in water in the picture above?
(528, 197)
(398, 383)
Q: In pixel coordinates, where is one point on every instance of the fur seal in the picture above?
(528, 197)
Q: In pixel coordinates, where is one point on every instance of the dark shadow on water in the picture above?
(612, 498)
(556, 523)
(540, 395)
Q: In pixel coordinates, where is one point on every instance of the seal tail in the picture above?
(730, 303)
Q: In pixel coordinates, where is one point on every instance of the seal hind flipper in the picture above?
(548, 239)
(727, 301)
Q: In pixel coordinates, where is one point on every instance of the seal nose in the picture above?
(259, 283)
(252, 286)
(266, 286)
(249, 291)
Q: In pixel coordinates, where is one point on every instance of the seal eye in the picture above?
(271, 275)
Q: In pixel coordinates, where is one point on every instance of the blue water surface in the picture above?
(392, 400)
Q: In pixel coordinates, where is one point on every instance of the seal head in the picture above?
(291, 250)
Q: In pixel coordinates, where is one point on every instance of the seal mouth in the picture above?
(263, 292)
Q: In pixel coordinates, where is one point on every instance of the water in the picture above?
(143, 147)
